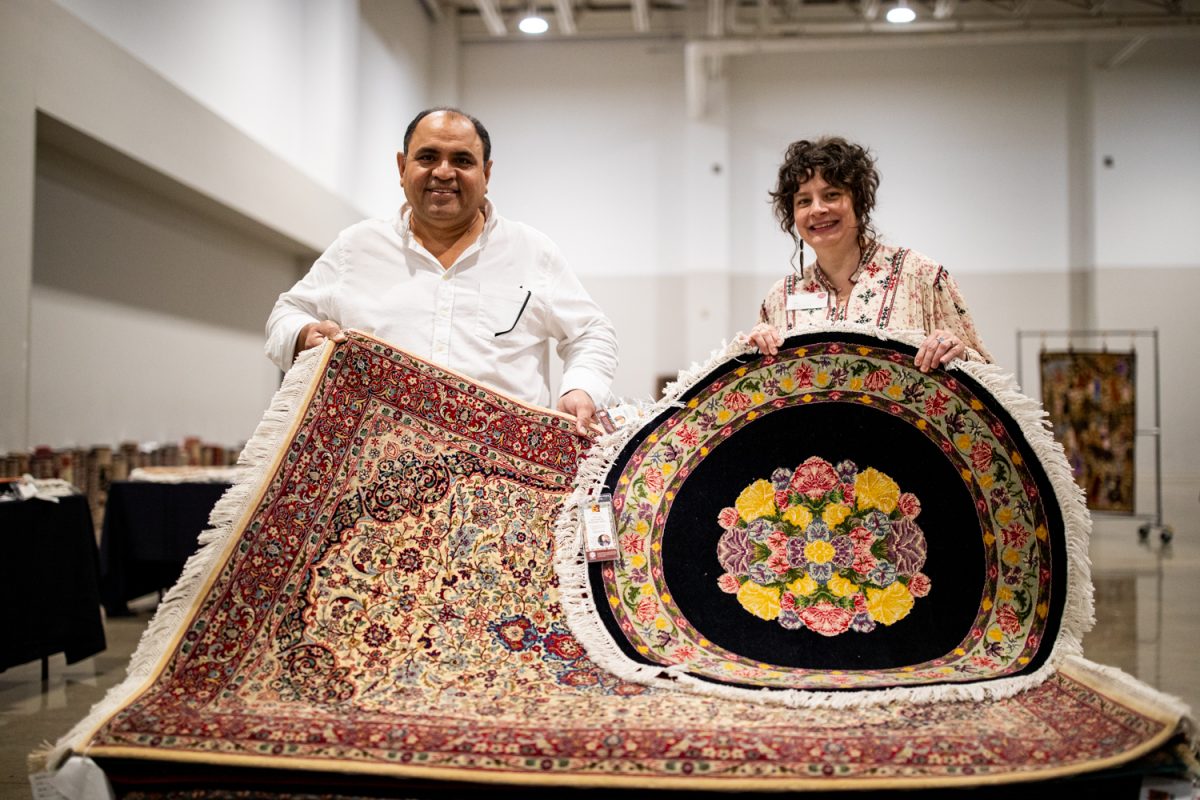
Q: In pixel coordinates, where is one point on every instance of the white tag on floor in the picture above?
(79, 778)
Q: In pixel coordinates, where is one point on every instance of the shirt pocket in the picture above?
(503, 311)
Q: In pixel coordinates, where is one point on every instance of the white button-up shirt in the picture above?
(488, 316)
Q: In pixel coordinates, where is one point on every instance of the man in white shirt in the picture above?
(450, 280)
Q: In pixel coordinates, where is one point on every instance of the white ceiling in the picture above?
(815, 20)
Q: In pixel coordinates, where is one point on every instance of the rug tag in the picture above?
(600, 531)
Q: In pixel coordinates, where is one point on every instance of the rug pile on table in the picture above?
(834, 571)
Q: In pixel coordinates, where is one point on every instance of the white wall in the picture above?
(327, 86)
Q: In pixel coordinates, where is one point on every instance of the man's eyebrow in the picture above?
(436, 150)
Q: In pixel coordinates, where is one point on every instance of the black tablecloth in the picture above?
(50, 589)
(149, 531)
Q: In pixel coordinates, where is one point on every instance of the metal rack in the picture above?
(1153, 523)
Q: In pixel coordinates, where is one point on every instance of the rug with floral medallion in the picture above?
(833, 572)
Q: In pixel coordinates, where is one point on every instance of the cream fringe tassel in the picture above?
(1078, 613)
(254, 467)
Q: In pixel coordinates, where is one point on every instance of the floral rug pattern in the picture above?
(388, 605)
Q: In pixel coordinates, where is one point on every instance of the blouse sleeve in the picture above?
(774, 306)
(950, 313)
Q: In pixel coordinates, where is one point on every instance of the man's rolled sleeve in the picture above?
(301, 305)
(587, 340)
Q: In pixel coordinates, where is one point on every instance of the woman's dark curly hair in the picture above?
(842, 164)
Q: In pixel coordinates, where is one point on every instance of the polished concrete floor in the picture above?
(1147, 609)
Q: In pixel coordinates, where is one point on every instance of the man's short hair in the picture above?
(479, 129)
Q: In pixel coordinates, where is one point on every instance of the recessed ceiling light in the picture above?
(900, 14)
(534, 24)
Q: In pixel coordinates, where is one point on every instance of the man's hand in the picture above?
(578, 403)
(314, 334)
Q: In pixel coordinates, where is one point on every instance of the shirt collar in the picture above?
(404, 220)
(814, 272)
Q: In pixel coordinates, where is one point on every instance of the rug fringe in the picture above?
(1078, 612)
(254, 465)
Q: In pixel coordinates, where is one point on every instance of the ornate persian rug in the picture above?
(834, 572)
(1090, 397)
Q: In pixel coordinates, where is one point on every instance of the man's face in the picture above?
(443, 173)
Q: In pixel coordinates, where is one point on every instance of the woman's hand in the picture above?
(939, 349)
(766, 338)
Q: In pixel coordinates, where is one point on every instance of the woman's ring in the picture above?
(939, 340)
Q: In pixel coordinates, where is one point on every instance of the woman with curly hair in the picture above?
(824, 198)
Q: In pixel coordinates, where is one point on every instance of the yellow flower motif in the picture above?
(803, 586)
(692, 403)
(1043, 609)
(976, 405)
(642, 527)
(989, 539)
(787, 384)
(723, 415)
(995, 634)
(966, 474)
(835, 514)
(613, 600)
(842, 587)
(862, 351)
(963, 441)
(1011, 557)
(986, 481)
(1004, 594)
(753, 415)
(666, 598)
(704, 452)
(922, 424)
(1040, 533)
(895, 391)
(637, 561)
(856, 384)
(641, 648)
(661, 623)
(760, 601)
(873, 489)
(807, 398)
(757, 398)
(756, 500)
(799, 516)
(741, 371)
(1004, 516)
(1016, 458)
(668, 468)
(819, 552)
(822, 379)
(987, 604)
(646, 590)
(889, 605)
(653, 437)
(802, 352)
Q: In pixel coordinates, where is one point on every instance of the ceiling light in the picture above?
(901, 13)
(533, 22)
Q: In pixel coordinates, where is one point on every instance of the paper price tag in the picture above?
(599, 529)
(804, 301)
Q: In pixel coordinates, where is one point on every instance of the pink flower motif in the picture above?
(862, 538)
(654, 480)
(788, 601)
(895, 409)
(777, 541)
(685, 653)
(631, 544)
(804, 375)
(860, 603)
(864, 561)
(728, 518)
(728, 584)
(848, 493)
(935, 406)
(1007, 618)
(835, 348)
(826, 619)
(878, 380)
(778, 403)
(981, 455)
(647, 609)
(781, 499)
(919, 585)
(814, 477)
(909, 505)
(778, 562)
(687, 436)
(737, 401)
(835, 395)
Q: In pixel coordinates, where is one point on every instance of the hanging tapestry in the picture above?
(1090, 397)
(394, 594)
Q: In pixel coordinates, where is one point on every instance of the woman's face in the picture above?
(824, 213)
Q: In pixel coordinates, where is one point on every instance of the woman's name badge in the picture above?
(805, 301)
